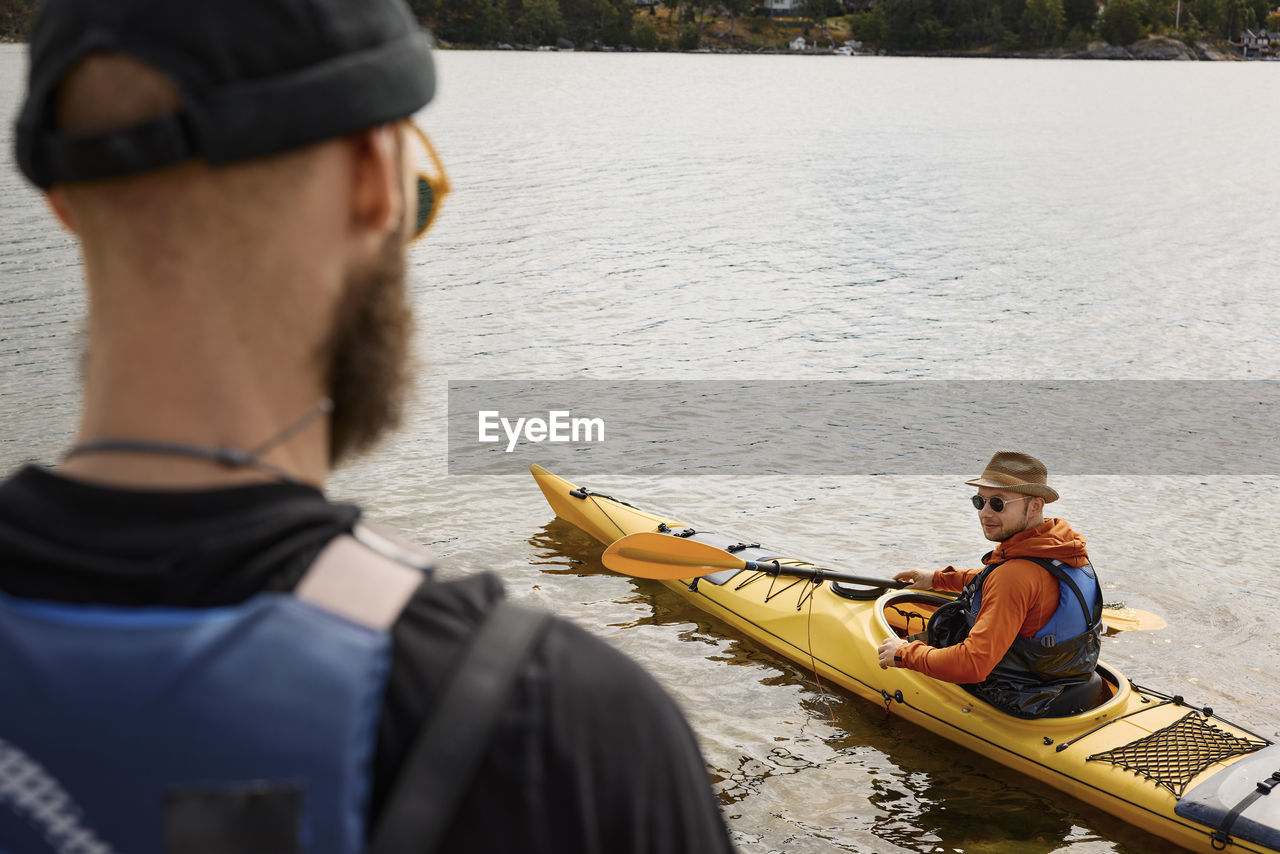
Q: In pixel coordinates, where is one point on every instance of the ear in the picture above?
(57, 201)
(377, 199)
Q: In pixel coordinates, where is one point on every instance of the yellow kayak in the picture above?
(1156, 762)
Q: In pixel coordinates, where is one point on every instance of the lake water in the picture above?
(674, 217)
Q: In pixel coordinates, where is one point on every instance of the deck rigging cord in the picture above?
(813, 662)
(583, 493)
(1172, 756)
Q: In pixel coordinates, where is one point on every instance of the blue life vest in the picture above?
(1036, 672)
(1079, 597)
(148, 729)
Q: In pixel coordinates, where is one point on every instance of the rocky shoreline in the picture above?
(1158, 48)
(1155, 48)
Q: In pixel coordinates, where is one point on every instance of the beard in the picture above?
(368, 354)
(1008, 529)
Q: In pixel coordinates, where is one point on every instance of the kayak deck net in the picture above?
(1173, 756)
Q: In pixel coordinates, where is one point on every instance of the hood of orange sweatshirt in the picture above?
(1052, 539)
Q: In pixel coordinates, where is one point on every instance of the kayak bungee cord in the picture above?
(907, 617)
(807, 585)
(1172, 756)
(813, 662)
(584, 493)
(1165, 700)
(1204, 710)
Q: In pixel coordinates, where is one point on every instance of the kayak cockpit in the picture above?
(907, 614)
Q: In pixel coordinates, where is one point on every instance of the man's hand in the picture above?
(921, 579)
(889, 651)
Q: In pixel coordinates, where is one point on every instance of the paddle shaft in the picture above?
(819, 574)
(662, 556)
(1118, 619)
(665, 557)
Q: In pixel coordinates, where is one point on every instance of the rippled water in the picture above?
(706, 217)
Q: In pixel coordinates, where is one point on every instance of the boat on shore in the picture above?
(1155, 761)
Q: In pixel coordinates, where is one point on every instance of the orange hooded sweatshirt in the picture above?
(1017, 600)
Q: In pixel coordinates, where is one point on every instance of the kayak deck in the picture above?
(1134, 755)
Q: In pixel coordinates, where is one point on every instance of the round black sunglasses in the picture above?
(997, 503)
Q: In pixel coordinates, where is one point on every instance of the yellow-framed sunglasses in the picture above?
(433, 186)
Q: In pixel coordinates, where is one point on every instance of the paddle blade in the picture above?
(665, 557)
(1131, 620)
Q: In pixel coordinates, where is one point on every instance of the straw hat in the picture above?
(1016, 473)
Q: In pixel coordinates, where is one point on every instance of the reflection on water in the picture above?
(560, 547)
(752, 771)
(962, 811)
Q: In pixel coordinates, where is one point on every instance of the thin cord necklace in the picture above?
(226, 457)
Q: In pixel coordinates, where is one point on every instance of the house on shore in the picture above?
(1256, 43)
(777, 8)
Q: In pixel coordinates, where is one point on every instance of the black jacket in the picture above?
(591, 756)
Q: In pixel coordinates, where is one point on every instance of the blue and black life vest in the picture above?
(249, 728)
(1036, 671)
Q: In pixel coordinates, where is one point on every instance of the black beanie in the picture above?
(257, 77)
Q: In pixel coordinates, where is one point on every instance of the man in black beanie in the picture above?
(198, 651)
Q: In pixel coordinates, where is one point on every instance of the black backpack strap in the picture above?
(446, 753)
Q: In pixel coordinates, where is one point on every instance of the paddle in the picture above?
(665, 558)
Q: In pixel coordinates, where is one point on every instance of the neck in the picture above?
(194, 353)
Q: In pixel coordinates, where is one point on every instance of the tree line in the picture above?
(528, 21)
(936, 25)
(15, 17)
(583, 22)
(892, 25)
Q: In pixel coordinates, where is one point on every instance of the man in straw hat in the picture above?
(1025, 632)
(199, 651)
